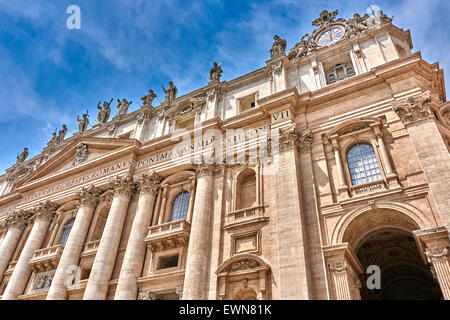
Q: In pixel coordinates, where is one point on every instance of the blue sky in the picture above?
(50, 74)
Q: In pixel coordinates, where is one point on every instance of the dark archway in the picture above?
(404, 276)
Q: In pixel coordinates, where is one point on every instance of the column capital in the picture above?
(338, 266)
(46, 210)
(123, 185)
(207, 169)
(414, 109)
(18, 219)
(88, 196)
(436, 253)
(149, 183)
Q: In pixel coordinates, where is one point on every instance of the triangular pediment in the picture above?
(81, 155)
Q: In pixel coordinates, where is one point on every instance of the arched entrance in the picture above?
(387, 236)
(404, 276)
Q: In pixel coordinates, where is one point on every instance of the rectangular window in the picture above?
(167, 262)
(185, 123)
(247, 103)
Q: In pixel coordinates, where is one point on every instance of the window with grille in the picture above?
(362, 164)
(66, 232)
(180, 206)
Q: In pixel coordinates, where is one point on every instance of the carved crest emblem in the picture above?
(81, 154)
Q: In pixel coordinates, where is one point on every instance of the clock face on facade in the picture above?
(330, 37)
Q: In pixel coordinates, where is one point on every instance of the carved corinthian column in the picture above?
(438, 257)
(196, 277)
(134, 255)
(16, 285)
(71, 254)
(15, 223)
(98, 283)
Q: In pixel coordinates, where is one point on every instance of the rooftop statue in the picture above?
(23, 156)
(216, 72)
(83, 122)
(122, 107)
(356, 24)
(171, 92)
(147, 100)
(278, 46)
(104, 112)
(61, 134)
(53, 140)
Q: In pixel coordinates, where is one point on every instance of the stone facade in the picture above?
(148, 206)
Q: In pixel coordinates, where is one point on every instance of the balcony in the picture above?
(88, 253)
(46, 259)
(245, 217)
(168, 235)
(368, 187)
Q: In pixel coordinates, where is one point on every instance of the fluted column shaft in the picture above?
(22, 270)
(102, 268)
(15, 224)
(196, 276)
(438, 257)
(135, 252)
(72, 250)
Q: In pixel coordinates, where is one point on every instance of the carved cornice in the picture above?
(123, 185)
(414, 109)
(88, 196)
(436, 253)
(46, 210)
(149, 183)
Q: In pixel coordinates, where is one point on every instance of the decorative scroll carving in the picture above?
(43, 282)
(88, 195)
(46, 209)
(243, 264)
(81, 154)
(291, 138)
(123, 185)
(436, 253)
(18, 219)
(338, 266)
(350, 27)
(147, 295)
(179, 291)
(304, 141)
(275, 69)
(415, 109)
(149, 183)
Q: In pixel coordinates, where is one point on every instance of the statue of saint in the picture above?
(147, 100)
(216, 72)
(171, 92)
(61, 134)
(83, 122)
(23, 156)
(122, 107)
(104, 112)
(53, 139)
(278, 46)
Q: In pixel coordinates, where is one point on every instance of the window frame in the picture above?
(185, 203)
(379, 164)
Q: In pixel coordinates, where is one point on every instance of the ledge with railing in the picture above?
(168, 235)
(245, 216)
(46, 258)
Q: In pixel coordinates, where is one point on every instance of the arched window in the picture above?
(362, 164)
(66, 232)
(180, 206)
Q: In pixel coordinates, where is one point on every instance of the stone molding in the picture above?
(207, 169)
